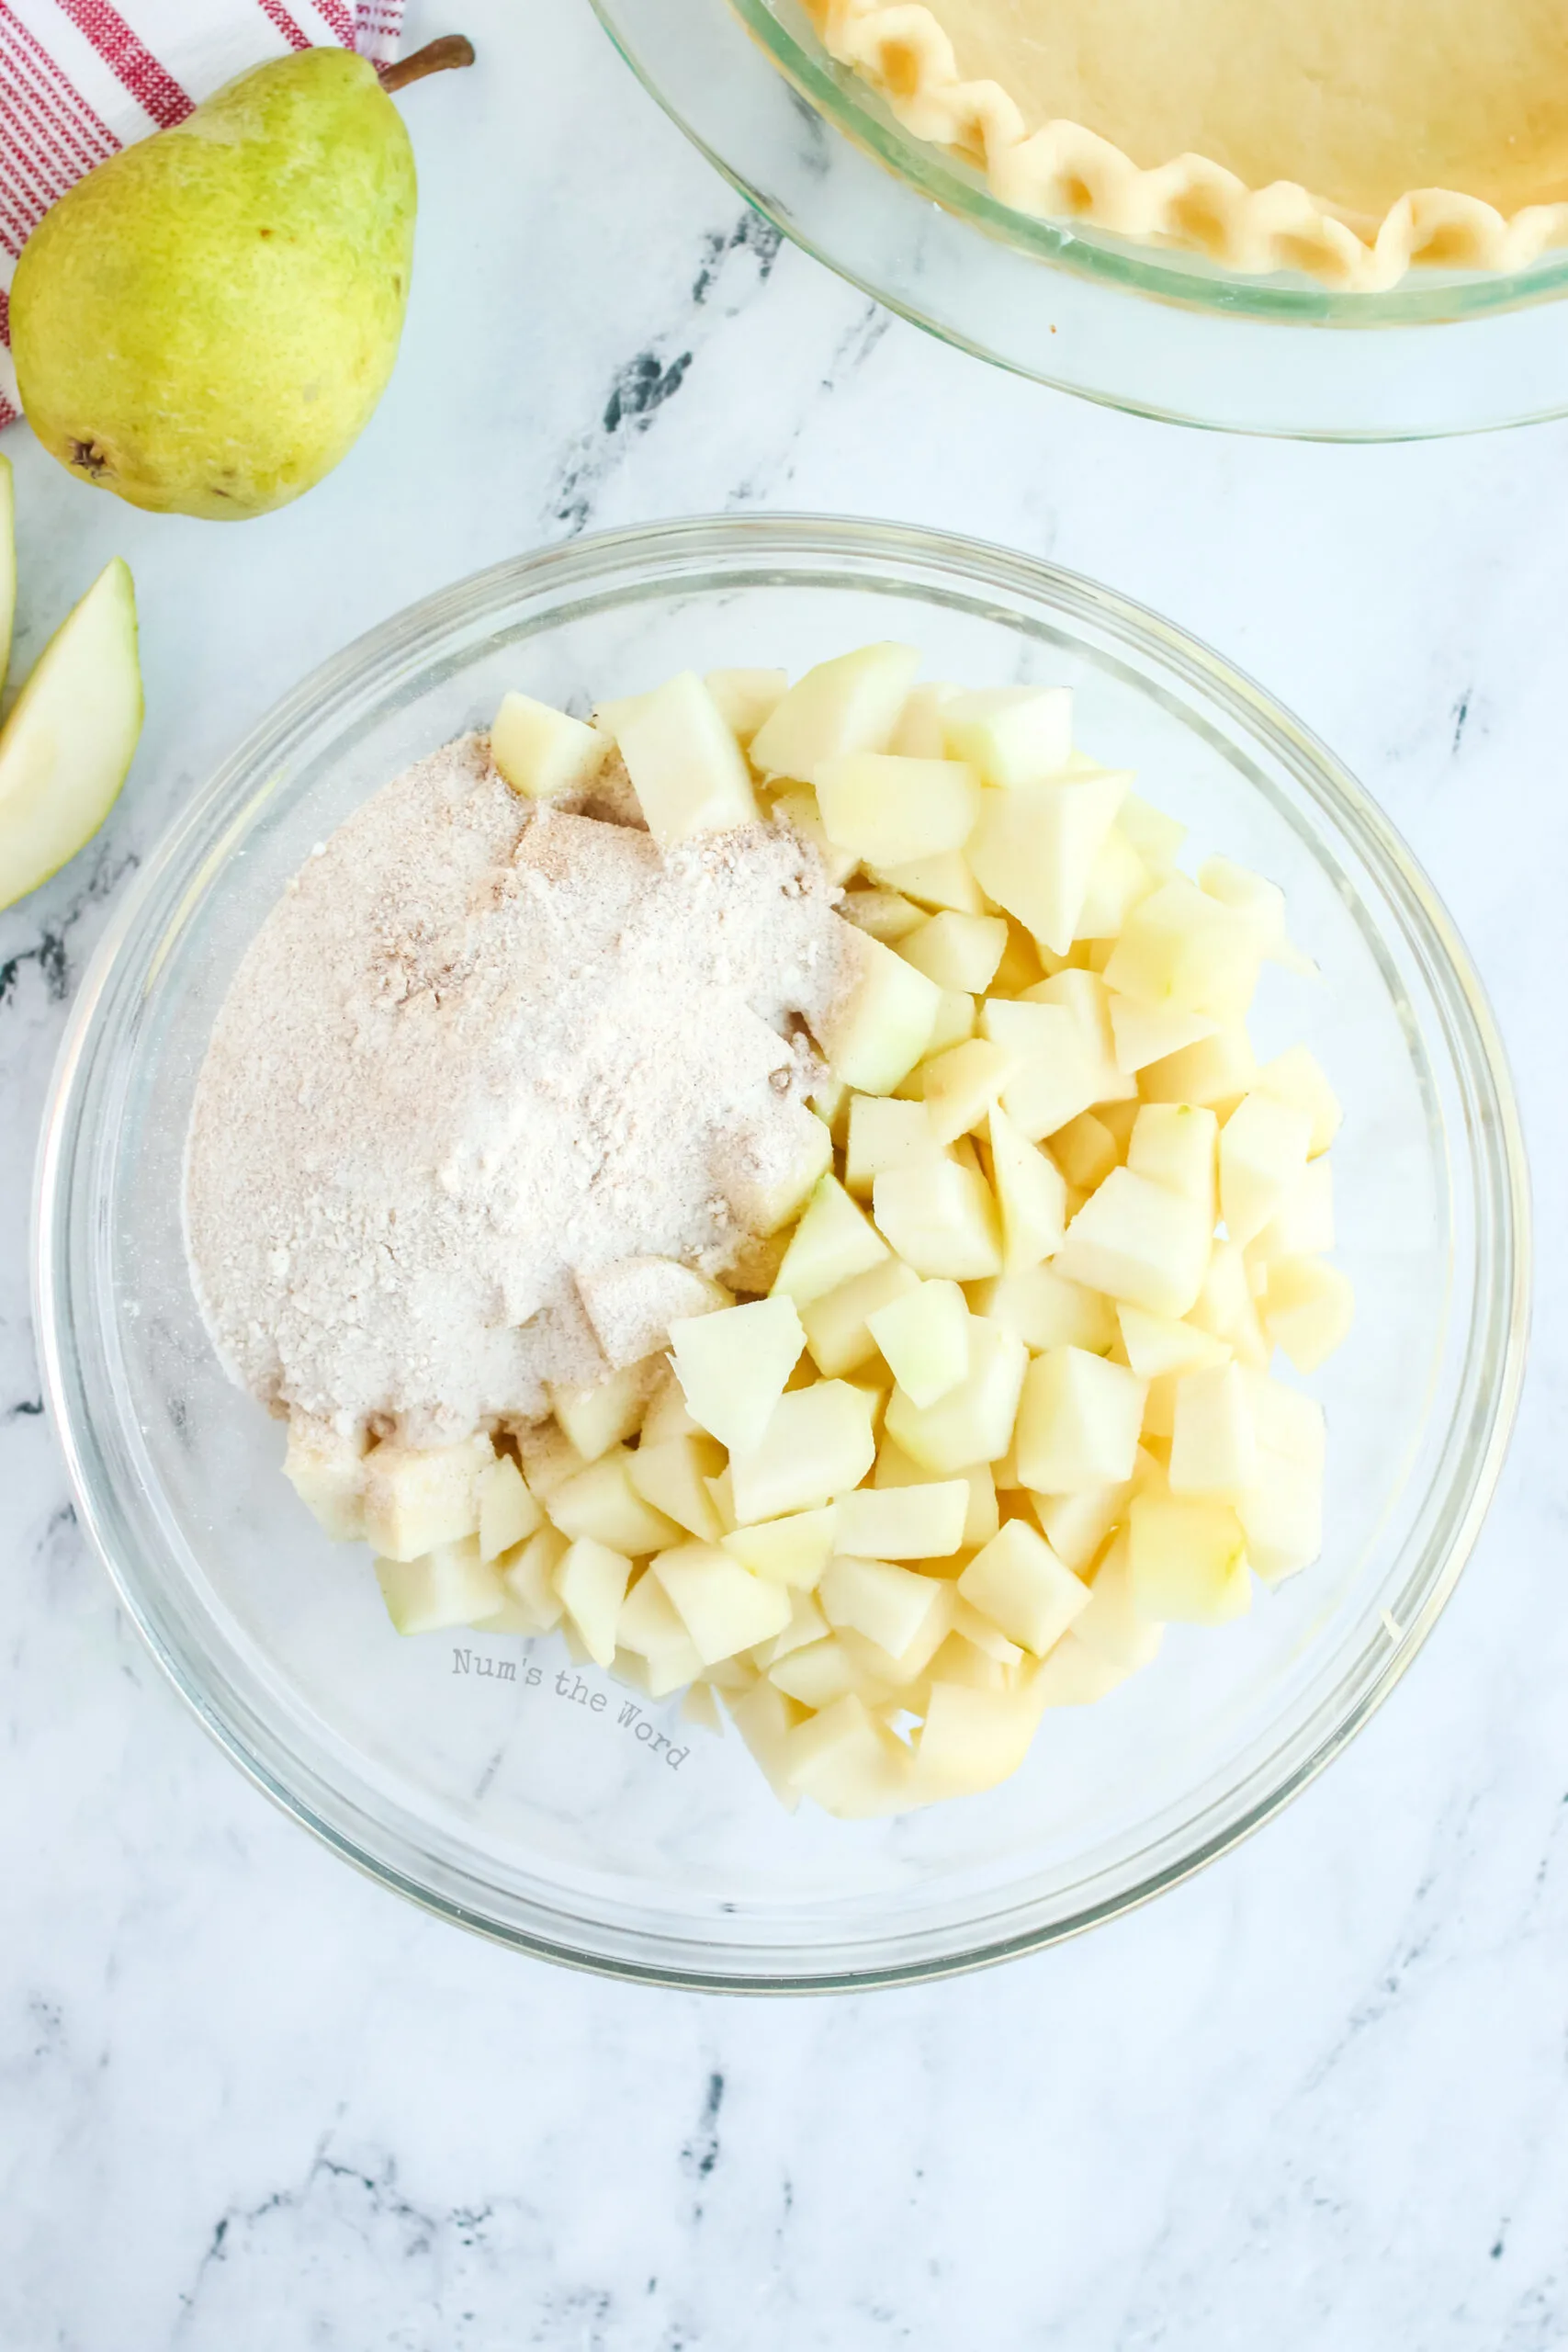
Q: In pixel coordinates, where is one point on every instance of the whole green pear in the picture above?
(204, 323)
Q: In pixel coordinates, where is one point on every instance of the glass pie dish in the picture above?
(488, 1778)
(1162, 334)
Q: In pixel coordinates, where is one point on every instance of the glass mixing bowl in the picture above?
(487, 1776)
(1162, 334)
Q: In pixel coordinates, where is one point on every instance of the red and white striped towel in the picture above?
(80, 79)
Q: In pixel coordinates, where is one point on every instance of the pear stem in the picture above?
(436, 57)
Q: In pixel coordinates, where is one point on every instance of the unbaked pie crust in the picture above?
(1348, 138)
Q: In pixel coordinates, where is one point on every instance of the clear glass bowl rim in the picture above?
(647, 557)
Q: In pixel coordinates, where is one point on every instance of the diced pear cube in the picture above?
(968, 1662)
(973, 1422)
(1075, 1526)
(674, 1477)
(968, 1624)
(1047, 1310)
(891, 811)
(1297, 1077)
(819, 1443)
(1308, 1309)
(1087, 998)
(745, 698)
(924, 1338)
(1157, 838)
(721, 1494)
(1282, 1516)
(671, 1671)
(1182, 948)
(1058, 1072)
(837, 1330)
(941, 1219)
(508, 1513)
(733, 1365)
(592, 1581)
(1156, 1344)
(701, 1706)
(1031, 1195)
(764, 1203)
(1033, 847)
(419, 1497)
(797, 808)
(602, 1503)
(904, 1522)
(722, 1605)
(595, 1418)
(849, 1763)
(1147, 1033)
(1177, 1144)
(1263, 1150)
(1111, 1626)
(919, 734)
(1085, 1150)
(1076, 1676)
(1226, 1307)
(632, 1302)
(649, 1623)
(764, 1717)
(834, 1242)
(1262, 903)
(667, 1416)
(1118, 880)
(895, 1468)
(687, 769)
(1019, 1584)
(807, 1625)
(529, 1574)
(882, 1026)
(449, 1585)
(1022, 965)
(1140, 1242)
(971, 1739)
(891, 1606)
(1187, 1560)
(1213, 1446)
(850, 704)
(819, 1674)
(1078, 1420)
(542, 752)
(937, 882)
(1303, 1224)
(327, 1472)
(1214, 1073)
(1013, 735)
(1288, 1424)
(955, 1021)
(880, 914)
(793, 1551)
(884, 1132)
(958, 951)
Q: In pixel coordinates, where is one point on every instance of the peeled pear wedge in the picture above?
(66, 748)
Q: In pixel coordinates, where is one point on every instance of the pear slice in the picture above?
(7, 563)
(67, 745)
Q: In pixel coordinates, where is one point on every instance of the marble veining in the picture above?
(1318, 2097)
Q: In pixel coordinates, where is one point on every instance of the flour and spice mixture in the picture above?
(483, 1049)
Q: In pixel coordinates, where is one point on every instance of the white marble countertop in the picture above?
(1319, 2096)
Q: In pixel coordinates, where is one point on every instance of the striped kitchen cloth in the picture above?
(80, 79)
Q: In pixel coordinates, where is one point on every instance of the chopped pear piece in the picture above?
(1075, 1526)
(838, 1331)
(797, 808)
(1151, 1033)
(632, 1302)
(1179, 947)
(542, 752)
(722, 1605)
(891, 1606)
(1085, 1150)
(1214, 1073)
(962, 1086)
(919, 734)
(764, 1717)
(603, 1503)
(941, 1219)
(1021, 1587)
(650, 1625)
(1078, 1420)
(1111, 1626)
(68, 743)
(1047, 1310)
(883, 1024)
(891, 811)
(973, 1739)
(1140, 1242)
(1263, 1154)
(595, 1418)
(592, 1582)
(687, 769)
(1156, 837)
(1297, 1077)
(924, 1337)
(851, 704)
(819, 1443)
(1031, 1195)
(1303, 1224)
(880, 914)
(419, 1498)
(1187, 1560)
(672, 1476)
(667, 1416)
(955, 1021)
(792, 1551)
(834, 1242)
(1226, 1307)
(1177, 1144)
(1033, 850)
(745, 698)
(733, 1366)
(973, 1422)
(1263, 905)
(821, 1673)
(1011, 735)
(1282, 1516)
(1118, 880)
(1308, 1309)
(958, 951)
(529, 1576)
(1058, 1070)
(849, 1763)
(448, 1585)
(1214, 1441)
(1076, 1676)
(1087, 998)
(508, 1513)
(923, 1523)
(1155, 1344)
(884, 1132)
(326, 1471)
(807, 1625)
